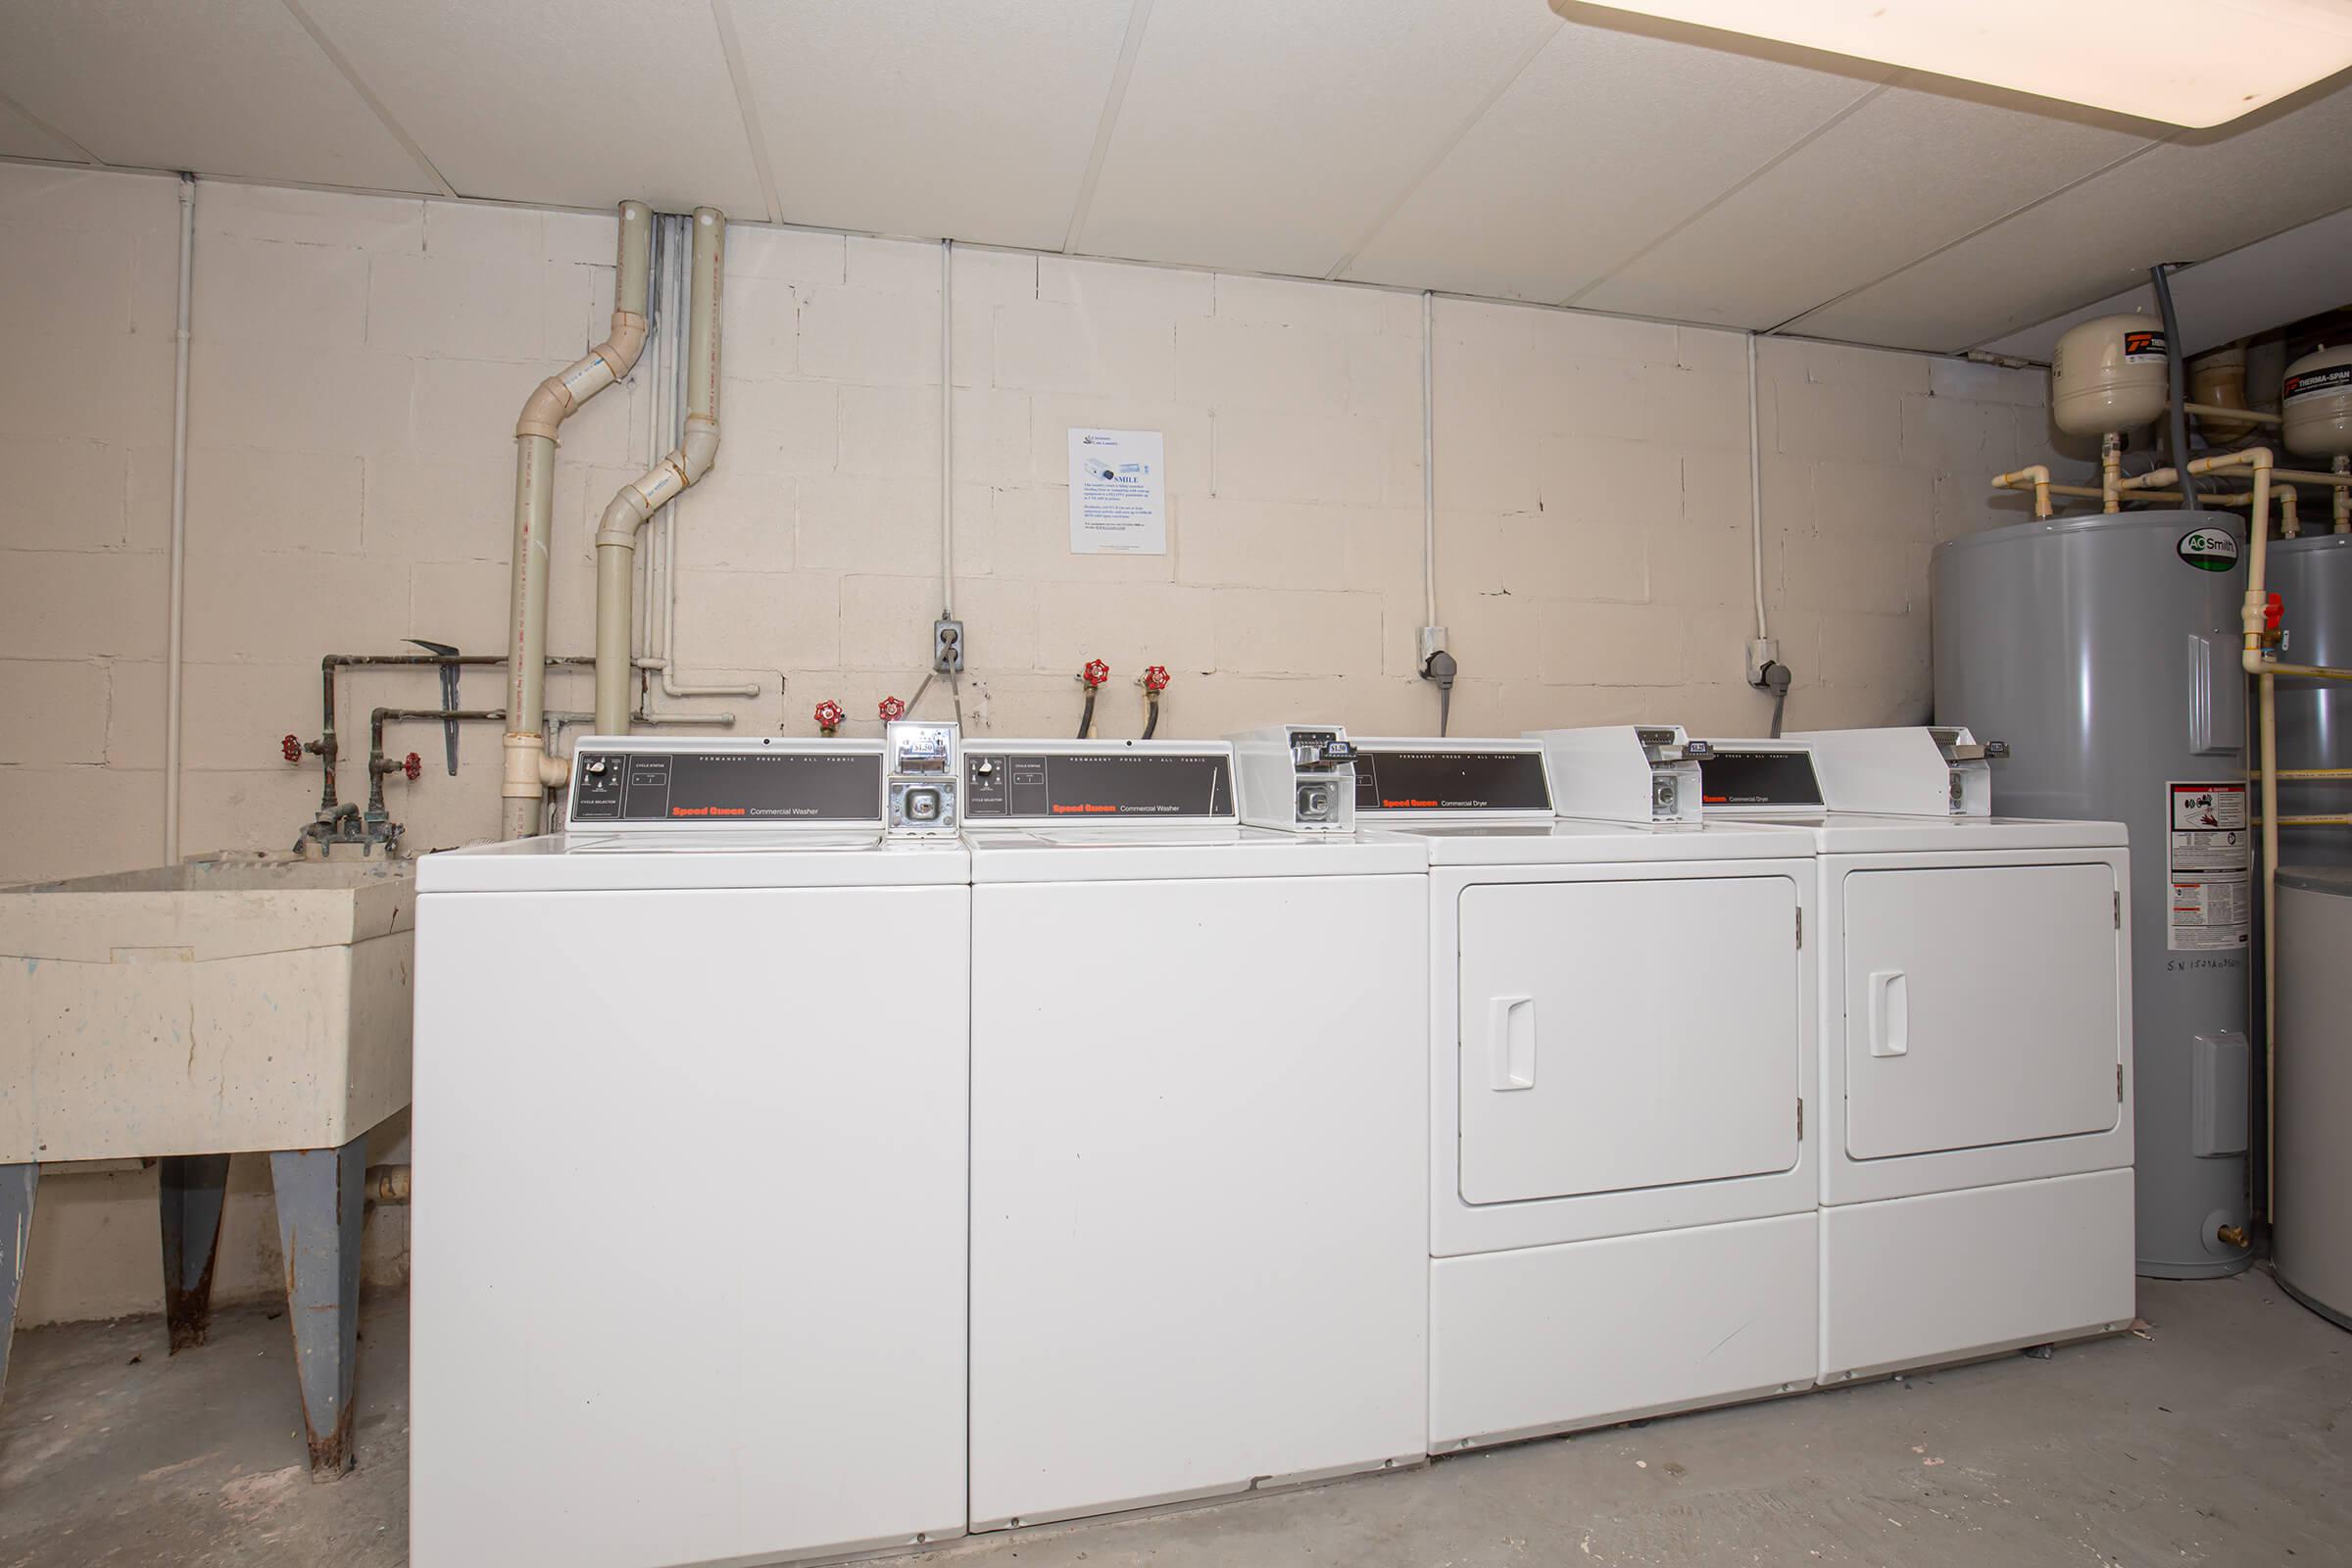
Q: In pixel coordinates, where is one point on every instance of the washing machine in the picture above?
(1621, 1183)
(689, 1225)
(1198, 1128)
(1976, 1032)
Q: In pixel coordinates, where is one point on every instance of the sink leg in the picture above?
(320, 1202)
(17, 1184)
(189, 1190)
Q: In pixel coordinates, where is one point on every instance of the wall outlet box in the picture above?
(947, 647)
(1431, 643)
(1761, 651)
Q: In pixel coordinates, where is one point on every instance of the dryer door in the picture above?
(1626, 1033)
(1981, 1006)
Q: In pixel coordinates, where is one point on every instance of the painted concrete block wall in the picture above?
(358, 364)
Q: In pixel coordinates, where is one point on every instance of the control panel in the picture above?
(1626, 772)
(922, 759)
(1009, 782)
(629, 782)
(1919, 770)
(1759, 778)
(1425, 778)
(1297, 777)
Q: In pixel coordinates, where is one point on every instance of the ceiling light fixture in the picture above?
(2184, 62)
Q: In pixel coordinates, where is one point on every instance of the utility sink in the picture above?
(217, 1007)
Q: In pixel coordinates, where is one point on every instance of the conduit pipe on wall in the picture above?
(673, 476)
(528, 768)
(173, 707)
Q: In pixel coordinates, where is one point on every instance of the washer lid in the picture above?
(730, 858)
(1574, 841)
(1133, 852)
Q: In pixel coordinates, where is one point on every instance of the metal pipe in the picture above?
(176, 632)
(678, 471)
(526, 776)
(2176, 376)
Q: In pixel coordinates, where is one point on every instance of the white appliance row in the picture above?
(837, 1146)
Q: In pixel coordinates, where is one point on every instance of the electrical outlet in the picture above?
(1432, 642)
(947, 647)
(1761, 651)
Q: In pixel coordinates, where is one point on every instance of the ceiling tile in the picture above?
(565, 103)
(969, 121)
(20, 137)
(231, 88)
(1271, 137)
(2195, 196)
(1908, 171)
(1610, 138)
(2285, 277)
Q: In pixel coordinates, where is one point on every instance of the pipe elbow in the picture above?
(627, 342)
(700, 449)
(624, 515)
(545, 409)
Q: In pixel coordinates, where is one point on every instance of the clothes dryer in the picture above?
(1621, 1174)
(1975, 970)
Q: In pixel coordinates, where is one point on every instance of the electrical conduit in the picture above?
(526, 779)
(686, 463)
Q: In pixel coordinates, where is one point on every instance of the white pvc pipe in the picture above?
(675, 473)
(1755, 489)
(947, 428)
(1429, 458)
(529, 772)
(179, 523)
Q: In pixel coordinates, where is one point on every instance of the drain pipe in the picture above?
(529, 772)
(173, 707)
(687, 463)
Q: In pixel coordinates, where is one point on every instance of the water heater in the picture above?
(2105, 650)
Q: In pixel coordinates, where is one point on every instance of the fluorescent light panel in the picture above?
(2182, 61)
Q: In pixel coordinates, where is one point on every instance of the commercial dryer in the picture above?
(1621, 1181)
(689, 1231)
(1199, 1125)
(1976, 1166)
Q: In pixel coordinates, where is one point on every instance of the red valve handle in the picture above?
(1156, 678)
(829, 715)
(2273, 611)
(292, 748)
(1094, 674)
(890, 708)
(413, 765)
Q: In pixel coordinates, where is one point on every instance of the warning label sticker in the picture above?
(2209, 865)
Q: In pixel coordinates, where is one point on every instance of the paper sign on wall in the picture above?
(1118, 492)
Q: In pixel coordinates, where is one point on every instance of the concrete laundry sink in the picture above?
(185, 1014)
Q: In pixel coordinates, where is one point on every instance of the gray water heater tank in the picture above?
(2104, 649)
(2312, 575)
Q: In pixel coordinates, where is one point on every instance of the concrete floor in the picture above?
(2217, 1439)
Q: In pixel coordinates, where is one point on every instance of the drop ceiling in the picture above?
(1509, 148)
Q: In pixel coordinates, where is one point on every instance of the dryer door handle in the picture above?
(1511, 1043)
(1890, 1012)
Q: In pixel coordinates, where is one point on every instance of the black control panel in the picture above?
(726, 786)
(1760, 777)
(1079, 785)
(1447, 780)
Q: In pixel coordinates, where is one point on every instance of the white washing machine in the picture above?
(1199, 1128)
(689, 1225)
(1976, 1174)
(1621, 1174)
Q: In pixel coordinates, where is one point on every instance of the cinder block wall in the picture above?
(358, 364)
